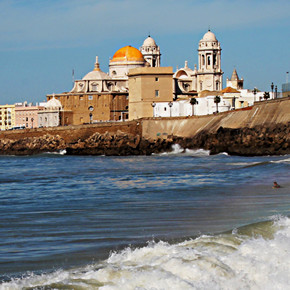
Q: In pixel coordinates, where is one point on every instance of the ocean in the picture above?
(181, 220)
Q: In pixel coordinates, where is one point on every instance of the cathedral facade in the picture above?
(101, 96)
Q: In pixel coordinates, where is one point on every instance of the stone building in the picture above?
(130, 87)
(148, 86)
(101, 97)
(51, 115)
(208, 75)
(235, 82)
(151, 52)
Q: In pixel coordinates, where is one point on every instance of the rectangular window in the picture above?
(157, 93)
(90, 98)
(156, 79)
(81, 97)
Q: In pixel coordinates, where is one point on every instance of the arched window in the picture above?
(203, 60)
(208, 60)
(217, 86)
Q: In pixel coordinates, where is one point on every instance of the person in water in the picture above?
(276, 185)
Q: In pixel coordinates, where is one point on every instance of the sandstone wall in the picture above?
(261, 114)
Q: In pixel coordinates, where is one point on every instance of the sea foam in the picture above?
(252, 257)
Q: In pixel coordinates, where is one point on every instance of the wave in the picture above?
(261, 163)
(281, 161)
(178, 150)
(256, 256)
(60, 152)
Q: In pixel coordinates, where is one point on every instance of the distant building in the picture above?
(209, 74)
(7, 117)
(51, 115)
(26, 115)
(147, 87)
(101, 97)
(235, 82)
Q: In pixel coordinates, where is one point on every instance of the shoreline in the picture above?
(257, 141)
(263, 129)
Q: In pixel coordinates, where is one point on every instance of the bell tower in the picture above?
(151, 52)
(209, 74)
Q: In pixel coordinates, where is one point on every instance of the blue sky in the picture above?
(43, 40)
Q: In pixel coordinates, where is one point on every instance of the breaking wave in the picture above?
(177, 149)
(256, 256)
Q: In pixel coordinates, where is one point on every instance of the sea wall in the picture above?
(262, 114)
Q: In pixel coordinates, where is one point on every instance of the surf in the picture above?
(254, 256)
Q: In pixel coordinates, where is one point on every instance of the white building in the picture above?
(183, 108)
(51, 115)
(209, 75)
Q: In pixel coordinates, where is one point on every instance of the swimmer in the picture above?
(276, 185)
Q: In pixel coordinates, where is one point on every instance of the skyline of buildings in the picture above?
(138, 86)
(42, 44)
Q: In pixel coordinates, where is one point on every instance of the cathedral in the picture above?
(101, 96)
(208, 75)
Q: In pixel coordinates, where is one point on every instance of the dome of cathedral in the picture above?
(53, 104)
(96, 74)
(149, 41)
(209, 36)
(128, 53)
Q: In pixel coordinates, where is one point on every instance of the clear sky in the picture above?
(42, 41)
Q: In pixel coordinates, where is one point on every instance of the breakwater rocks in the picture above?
(118, 144)
(257, 141)
(109, 144)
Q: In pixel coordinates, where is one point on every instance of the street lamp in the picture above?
(153, 106)
(170, 104)
(276, 93)
(272, 89)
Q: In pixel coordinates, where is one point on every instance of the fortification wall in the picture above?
(261, 114)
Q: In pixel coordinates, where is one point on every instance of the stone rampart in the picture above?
(265, 113)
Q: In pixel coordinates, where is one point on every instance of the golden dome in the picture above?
(128, 53)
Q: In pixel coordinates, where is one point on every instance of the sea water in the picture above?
(182, 220)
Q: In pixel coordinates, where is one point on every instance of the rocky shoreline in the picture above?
(257, 141)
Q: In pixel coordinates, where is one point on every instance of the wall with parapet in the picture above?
(262, 113)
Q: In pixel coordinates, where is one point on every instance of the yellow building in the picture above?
(7, 117)
(148, 86)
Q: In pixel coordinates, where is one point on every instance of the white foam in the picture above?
(177, 149)
(61, 152)
(281, 161)
(228, 261)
